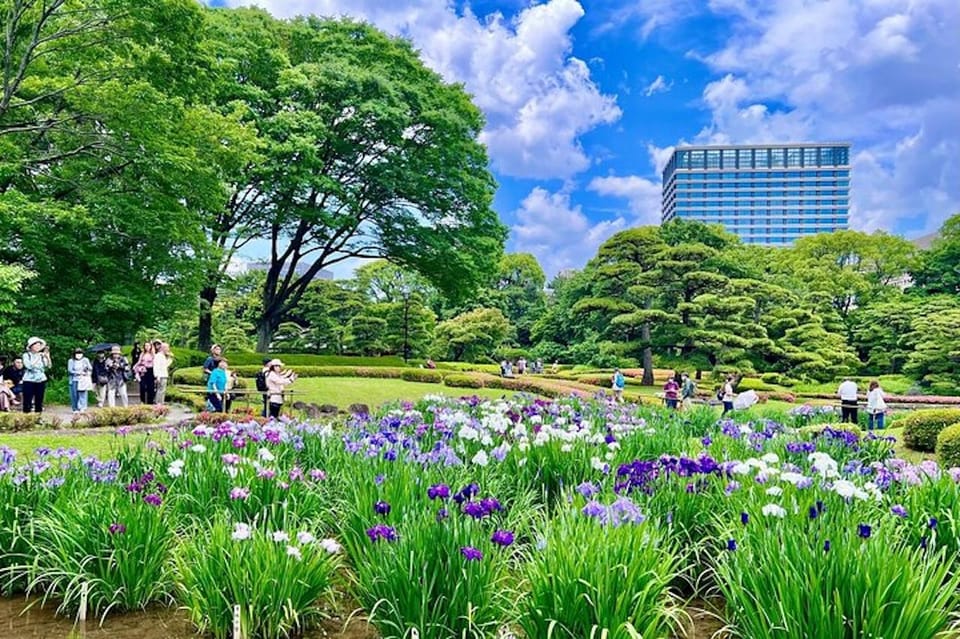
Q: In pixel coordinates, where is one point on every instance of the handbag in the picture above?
(85, 383)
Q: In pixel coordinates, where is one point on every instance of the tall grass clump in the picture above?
(281, 579)
(833, 571)
(598, 570)
(118, 542)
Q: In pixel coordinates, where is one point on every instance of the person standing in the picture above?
(118, 372)
(210, 363)
(217, 386)
(36, 361)
(135, 353)
(876, 406)
(688, 390)
(671, 393)
(727, 396)
(14, 374)
(144, 370)
(277, 381)
(101, 377)
(618, 383)
(261, 382)
(162, 360)
(79, 370)
(848, 401)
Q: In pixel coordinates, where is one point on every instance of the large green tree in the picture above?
(938, 269)
(365, 153)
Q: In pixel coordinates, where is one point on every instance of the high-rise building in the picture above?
(765, 193)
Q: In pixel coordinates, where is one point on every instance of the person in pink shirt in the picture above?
(671, 392)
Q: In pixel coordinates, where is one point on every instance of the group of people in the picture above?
(850, 403)
(271, 381)
(679, 390)
(23, 383)
(522, 367)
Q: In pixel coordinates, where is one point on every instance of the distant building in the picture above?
(240, 267)
(766, 194)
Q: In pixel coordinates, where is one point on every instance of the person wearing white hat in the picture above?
(277, 380)
(36, 361)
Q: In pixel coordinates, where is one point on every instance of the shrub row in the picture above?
(99, 418)
(945, 400)
(921, 428)
(194, 376)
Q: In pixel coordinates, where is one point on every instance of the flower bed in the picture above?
(568, 518)
(99, 418)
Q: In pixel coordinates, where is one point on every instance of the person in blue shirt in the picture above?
(210, 363)
(619, 382)
(217, 386)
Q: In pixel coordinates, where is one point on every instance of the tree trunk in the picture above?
(265, 329)
(647, 356)
(208, 295)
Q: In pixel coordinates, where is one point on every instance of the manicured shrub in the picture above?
(771, 378)
(463, 381)
(19, 421)
(920, 429)
(948, 446)
(754, 384)
(194, 376)
(424, 375)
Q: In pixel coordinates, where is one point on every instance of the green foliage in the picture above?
(920, 428)
(948, 446)
(470, 336)
(422, 375)
(754, 384)
(456, 380)
(936, 272)
(364, 335)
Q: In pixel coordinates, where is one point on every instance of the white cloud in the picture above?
(643, 196)
(882, 74)
(558, 233)
(538, 99)
(659, 85)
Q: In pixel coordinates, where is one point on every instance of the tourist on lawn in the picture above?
(277, 381)
(144, 371)
(36, 361)
(671, 393)
(217, 387)
(260, 380)
(688, 390)
(521, 366)
(118, 373)
(14, 373)
(162, 360)
(619, 382)
(727, 396)
(80, 371)
(101, 377)
(876, 406)
(211, 362)
(848, 401)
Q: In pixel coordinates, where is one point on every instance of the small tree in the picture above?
(471, 336)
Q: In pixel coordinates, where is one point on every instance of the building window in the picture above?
(696, 159)
(810, 157)
(794, 157)
(713, 159)
(776, 158)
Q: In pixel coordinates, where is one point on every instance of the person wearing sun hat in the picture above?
(36, 361)
(277, 381)
(118, 373)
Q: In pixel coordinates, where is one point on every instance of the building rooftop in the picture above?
(698, 147)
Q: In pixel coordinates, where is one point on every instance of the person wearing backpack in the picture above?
(619, 382)
(688, 390)
(261, 381)
(726, 395)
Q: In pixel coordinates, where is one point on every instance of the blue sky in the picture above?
(585, 99)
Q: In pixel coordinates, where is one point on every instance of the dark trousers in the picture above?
(33, 396)
(148, 387)
(848, 412)
(216, 401)
(275, 410)
(727, 408)
(266, 406)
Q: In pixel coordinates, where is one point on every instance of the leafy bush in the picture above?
(948, 446)
(455, 380)
(194, 376)
(920, 429)
(754, 384)
(19, 421)
(772, 378)
(424, 375)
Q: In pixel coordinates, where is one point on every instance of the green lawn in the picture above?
(343, 391)
(98, 444)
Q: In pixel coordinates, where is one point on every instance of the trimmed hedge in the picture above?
(194, 376)
(948, 446)
(920, 429)
(423, 375)
(100, 418)
(457, 380)
(754, 384)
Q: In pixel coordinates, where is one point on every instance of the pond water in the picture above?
(21, 620)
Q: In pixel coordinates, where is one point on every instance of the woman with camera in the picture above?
(36, 361)
(277, 381)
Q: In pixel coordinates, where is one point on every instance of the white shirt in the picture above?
(875, 401)
(161, 366)
(848, 391)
